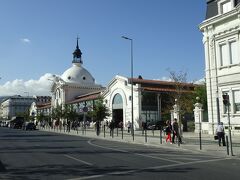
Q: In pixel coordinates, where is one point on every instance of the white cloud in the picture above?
(200, 81)
(39, 87)
(25, 40)
(164, 79)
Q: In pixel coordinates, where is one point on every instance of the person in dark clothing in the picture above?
(111, 126)
(175, 130)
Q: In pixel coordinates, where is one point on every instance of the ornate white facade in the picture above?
(77, 87)
(75, 81)
(221, 40)
(117, 97)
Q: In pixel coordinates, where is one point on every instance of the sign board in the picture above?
(85, 109)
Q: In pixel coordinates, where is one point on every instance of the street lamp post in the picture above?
(124, 37)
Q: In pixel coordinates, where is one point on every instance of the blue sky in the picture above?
(38, 37)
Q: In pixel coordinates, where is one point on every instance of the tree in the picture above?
(201, 92)
(100, 111)
(184, 95)
(40, 117)
(57, 113)
(70, 114)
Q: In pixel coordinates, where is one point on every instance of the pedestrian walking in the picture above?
(120, 124)
(168, 131)
(111, 126)
(175, 130)
(128, 126)
(220, 133)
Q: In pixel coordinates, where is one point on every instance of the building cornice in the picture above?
(219, 18)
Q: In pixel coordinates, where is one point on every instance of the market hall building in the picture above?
(76, 86)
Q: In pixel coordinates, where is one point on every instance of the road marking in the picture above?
(154, 157)
(79, 160)
(148, 168)
(119, 150)
(186, 158)
(89, 142)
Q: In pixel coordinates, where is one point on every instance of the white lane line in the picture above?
(186, 158)
(79, 160)
(154, 157)
(119, 150)
(148, 168)
(88, 177)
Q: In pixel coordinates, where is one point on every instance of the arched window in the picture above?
(117, 102)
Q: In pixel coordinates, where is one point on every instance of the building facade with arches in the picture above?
(77, 87)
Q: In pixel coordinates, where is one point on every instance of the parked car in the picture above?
(155, 125)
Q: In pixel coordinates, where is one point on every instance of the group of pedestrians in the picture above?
(172, 131)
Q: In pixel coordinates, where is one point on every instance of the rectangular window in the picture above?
(226, 6)
(223, 54)
(236, 101)
(233, 52)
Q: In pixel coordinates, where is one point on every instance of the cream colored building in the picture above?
(75, 81)
(76, 86)
(221, 40)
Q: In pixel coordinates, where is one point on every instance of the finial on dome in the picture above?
(77, 54)
(77, 42)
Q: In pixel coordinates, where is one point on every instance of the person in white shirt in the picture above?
(220, 134)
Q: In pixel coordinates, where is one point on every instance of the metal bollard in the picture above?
(145, 135)
(200, 140)
(104, 131)
(160, 136)
(227, 145)
(122, 133)
(178, 140)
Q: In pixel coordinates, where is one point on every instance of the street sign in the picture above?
(85, 109)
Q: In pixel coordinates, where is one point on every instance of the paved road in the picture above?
(45, 155)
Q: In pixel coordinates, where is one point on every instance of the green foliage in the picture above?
(201, 92)
(100, 111)
(40, 117)
(57, 113)
(184, 99)
(69, 112)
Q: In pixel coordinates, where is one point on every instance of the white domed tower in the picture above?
(73, 82)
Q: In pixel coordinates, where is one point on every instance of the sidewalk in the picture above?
(190, 140)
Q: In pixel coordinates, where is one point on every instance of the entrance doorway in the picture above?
(117, 117)
(117, 110)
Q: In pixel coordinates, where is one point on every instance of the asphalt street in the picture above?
(45, 155)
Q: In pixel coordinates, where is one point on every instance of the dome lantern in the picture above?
(77, 55)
